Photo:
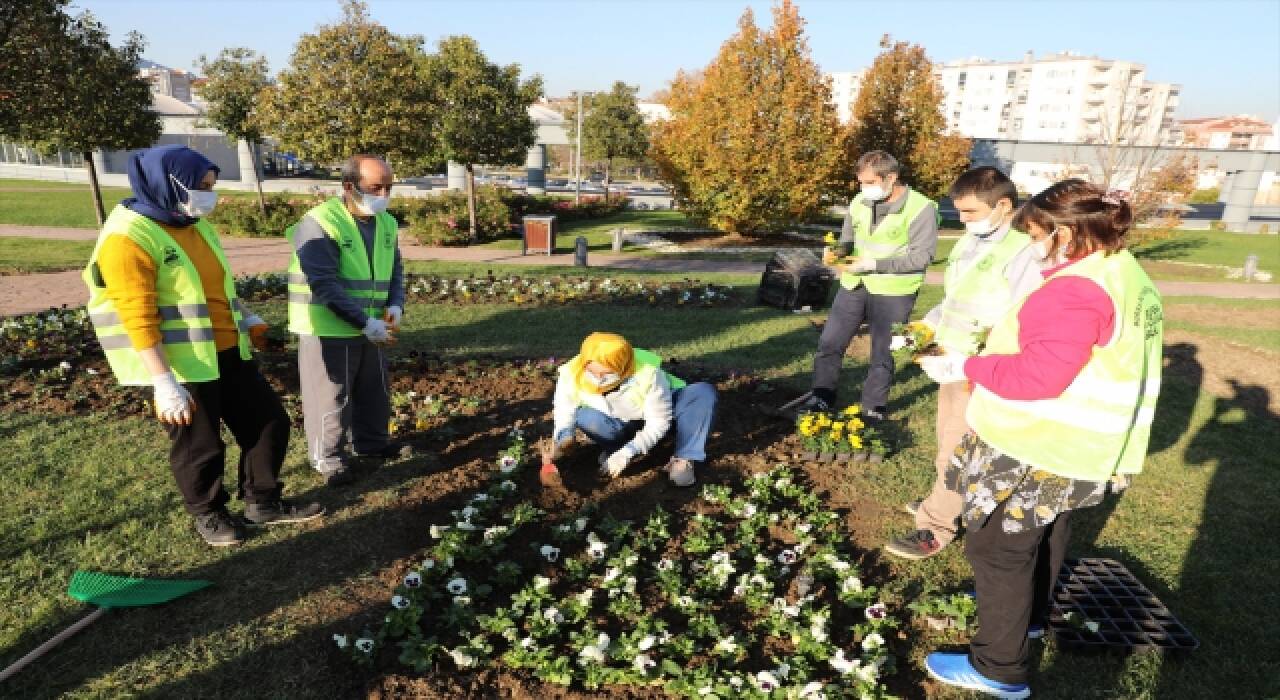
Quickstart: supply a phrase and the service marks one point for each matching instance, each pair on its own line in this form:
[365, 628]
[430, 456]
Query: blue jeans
[693, 409]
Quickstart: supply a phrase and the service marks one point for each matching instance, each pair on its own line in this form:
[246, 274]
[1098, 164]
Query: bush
[591, 207]
[241, 216]
[1205, 196]
[443, 219]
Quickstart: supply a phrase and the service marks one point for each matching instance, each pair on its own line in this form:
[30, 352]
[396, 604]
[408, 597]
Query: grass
[21, 255]
[95, 493]
[60, 204]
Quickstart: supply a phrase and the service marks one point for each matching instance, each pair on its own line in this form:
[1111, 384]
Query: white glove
[897, 343]
[253, 320]
[173, 402]
[393, 316]
[862, 264]
[617, 462]
[375, 329]
[944, 369]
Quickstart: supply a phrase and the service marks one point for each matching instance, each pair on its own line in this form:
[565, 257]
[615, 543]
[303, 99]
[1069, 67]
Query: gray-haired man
[892, 232]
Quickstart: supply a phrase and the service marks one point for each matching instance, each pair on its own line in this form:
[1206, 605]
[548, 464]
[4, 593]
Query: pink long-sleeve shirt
[1058, 326]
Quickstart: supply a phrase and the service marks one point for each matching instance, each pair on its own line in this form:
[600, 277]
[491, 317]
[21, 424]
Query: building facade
[1234, 133]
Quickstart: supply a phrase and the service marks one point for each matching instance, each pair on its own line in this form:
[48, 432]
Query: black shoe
[391, 451]
[339, 477]
[805, 403]
[219, 529]
[280, 512]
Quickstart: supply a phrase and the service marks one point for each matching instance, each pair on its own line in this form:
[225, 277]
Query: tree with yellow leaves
[899, 110]
[753, 143]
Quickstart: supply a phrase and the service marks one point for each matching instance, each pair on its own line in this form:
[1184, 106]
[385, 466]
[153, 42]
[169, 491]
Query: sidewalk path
[21, 294]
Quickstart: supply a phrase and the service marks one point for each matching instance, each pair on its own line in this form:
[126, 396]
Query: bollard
[618, 234]
[580, 252]
[1250, 267]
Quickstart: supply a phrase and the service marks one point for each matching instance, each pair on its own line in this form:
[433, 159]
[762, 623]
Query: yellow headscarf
[609, 349]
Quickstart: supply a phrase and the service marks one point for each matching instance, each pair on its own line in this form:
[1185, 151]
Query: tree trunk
[93, 188]
[608, 179]
[257, 177]
[471, 201]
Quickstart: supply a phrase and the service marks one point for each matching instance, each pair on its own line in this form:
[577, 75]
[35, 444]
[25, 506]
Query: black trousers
[1015, 576]
[850, 308]
[242, 399]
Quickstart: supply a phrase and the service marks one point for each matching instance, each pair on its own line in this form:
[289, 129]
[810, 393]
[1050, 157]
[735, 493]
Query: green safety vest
[370, 287]
[978, 297]
[636, 389]
[1101, 423]
[186, 331]
[888, 240]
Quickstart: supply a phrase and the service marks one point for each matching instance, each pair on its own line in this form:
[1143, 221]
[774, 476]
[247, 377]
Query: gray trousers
[850, 308]
[345, 392]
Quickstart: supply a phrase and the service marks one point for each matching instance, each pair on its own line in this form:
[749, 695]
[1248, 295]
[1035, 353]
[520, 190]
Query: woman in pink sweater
[1064, 395]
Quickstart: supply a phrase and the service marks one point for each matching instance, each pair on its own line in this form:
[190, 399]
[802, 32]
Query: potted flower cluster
[839, 437]
[755, 596]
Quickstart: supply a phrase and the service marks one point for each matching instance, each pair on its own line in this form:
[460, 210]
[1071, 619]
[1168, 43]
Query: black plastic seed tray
[1129, 617]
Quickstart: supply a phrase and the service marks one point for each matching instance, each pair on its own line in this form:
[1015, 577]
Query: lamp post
[577, 156]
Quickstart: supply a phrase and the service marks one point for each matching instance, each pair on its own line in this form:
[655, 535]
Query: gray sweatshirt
[922, 236]
[318, 255]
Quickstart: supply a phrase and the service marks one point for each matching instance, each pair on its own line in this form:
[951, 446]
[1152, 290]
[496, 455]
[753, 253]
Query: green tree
[352, 87]
[482, 113]
[234, 87]
[612, 128]
[753, 143]
[31, 33]
[899, 110]
[94, 98]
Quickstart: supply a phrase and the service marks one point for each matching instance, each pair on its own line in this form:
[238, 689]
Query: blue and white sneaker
[955, 670]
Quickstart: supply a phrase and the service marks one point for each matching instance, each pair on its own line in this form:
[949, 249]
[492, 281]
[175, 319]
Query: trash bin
[539, 235]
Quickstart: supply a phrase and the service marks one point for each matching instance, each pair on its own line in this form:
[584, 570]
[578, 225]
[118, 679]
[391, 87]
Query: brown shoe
[916, 545]
[549, 477]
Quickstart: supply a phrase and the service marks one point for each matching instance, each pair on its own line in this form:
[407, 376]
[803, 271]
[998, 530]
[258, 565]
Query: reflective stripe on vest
[977, 298]
[889, 240]
[1101, 424]
[369, 287]
[186, 329]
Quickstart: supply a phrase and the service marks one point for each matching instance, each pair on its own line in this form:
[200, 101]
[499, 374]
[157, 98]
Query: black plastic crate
[794, 279]
[1130, 618]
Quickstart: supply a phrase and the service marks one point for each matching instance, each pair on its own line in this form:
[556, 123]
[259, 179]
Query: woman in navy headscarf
[163, 303]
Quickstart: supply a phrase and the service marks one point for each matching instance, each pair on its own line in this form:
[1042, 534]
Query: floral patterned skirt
[987, 477]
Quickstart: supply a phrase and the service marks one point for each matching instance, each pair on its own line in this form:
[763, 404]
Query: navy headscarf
[154, 194]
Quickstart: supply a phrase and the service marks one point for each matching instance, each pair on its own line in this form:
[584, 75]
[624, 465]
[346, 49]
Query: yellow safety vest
[186, 330]
[889, 240]
[978, 297]
[370, 287]
[1101, 424]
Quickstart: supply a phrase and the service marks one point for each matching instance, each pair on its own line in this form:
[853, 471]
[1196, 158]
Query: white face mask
[1044, 248]
[607, 380]
[986, 226]
[369, 204]
[199, 204]
[874, 193]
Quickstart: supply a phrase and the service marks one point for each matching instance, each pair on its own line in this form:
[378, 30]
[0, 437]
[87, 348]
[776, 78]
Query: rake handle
[57, 639]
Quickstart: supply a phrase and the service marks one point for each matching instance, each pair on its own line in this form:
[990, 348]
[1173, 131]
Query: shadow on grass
[1172, 248]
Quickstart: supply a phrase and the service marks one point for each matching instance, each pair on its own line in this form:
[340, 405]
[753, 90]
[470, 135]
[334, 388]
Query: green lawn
[95, 493]
[22, 255]
[60, 204]
[1214, 248]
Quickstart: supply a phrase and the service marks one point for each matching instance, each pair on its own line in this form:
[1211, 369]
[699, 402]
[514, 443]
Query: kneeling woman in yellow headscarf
[623, 401]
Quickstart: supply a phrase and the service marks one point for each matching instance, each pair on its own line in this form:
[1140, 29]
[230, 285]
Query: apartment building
[1241, 132]
[844, 90]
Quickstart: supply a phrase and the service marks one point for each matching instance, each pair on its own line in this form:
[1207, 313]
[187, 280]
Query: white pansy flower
[666, 565]
[428, 564]
[541, 583]
[643, 663]
[457, 586]
[877, 612]
[787, 556]
[413, 580]
[527, 643]
[340, 640]
[812, 691]
[553, 615]
[437, 531]
[550, 553]
[507, 485]
[399, 602]
[766, 682]
[584, 598]
[581, 524]
[841, 664]
[461, 658]
[727, 645]
[595, 652]
[464, 525]
[597, 550]
[735, 681]
[507, 464]
[851, 584]
[64, 365]
[495, 532]
[612, 573]
[463, 600]
[646, 643]
[364, 644]
[705, 690]
[748, 510]
[872, 641]
[469, 512]
[783, 670]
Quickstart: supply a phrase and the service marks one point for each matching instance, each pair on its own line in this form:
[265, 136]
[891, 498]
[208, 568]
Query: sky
[1224, 53]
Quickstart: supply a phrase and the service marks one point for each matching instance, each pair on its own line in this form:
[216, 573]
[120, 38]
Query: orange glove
[258, 336]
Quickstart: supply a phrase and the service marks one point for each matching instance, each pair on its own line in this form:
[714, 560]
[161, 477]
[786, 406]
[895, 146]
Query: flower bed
[755, 595]
[541, 290]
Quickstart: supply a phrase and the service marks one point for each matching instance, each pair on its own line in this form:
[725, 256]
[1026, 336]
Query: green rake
[106, 592]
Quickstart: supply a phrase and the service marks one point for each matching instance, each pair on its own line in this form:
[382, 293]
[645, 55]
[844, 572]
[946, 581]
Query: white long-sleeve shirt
[655, 410]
